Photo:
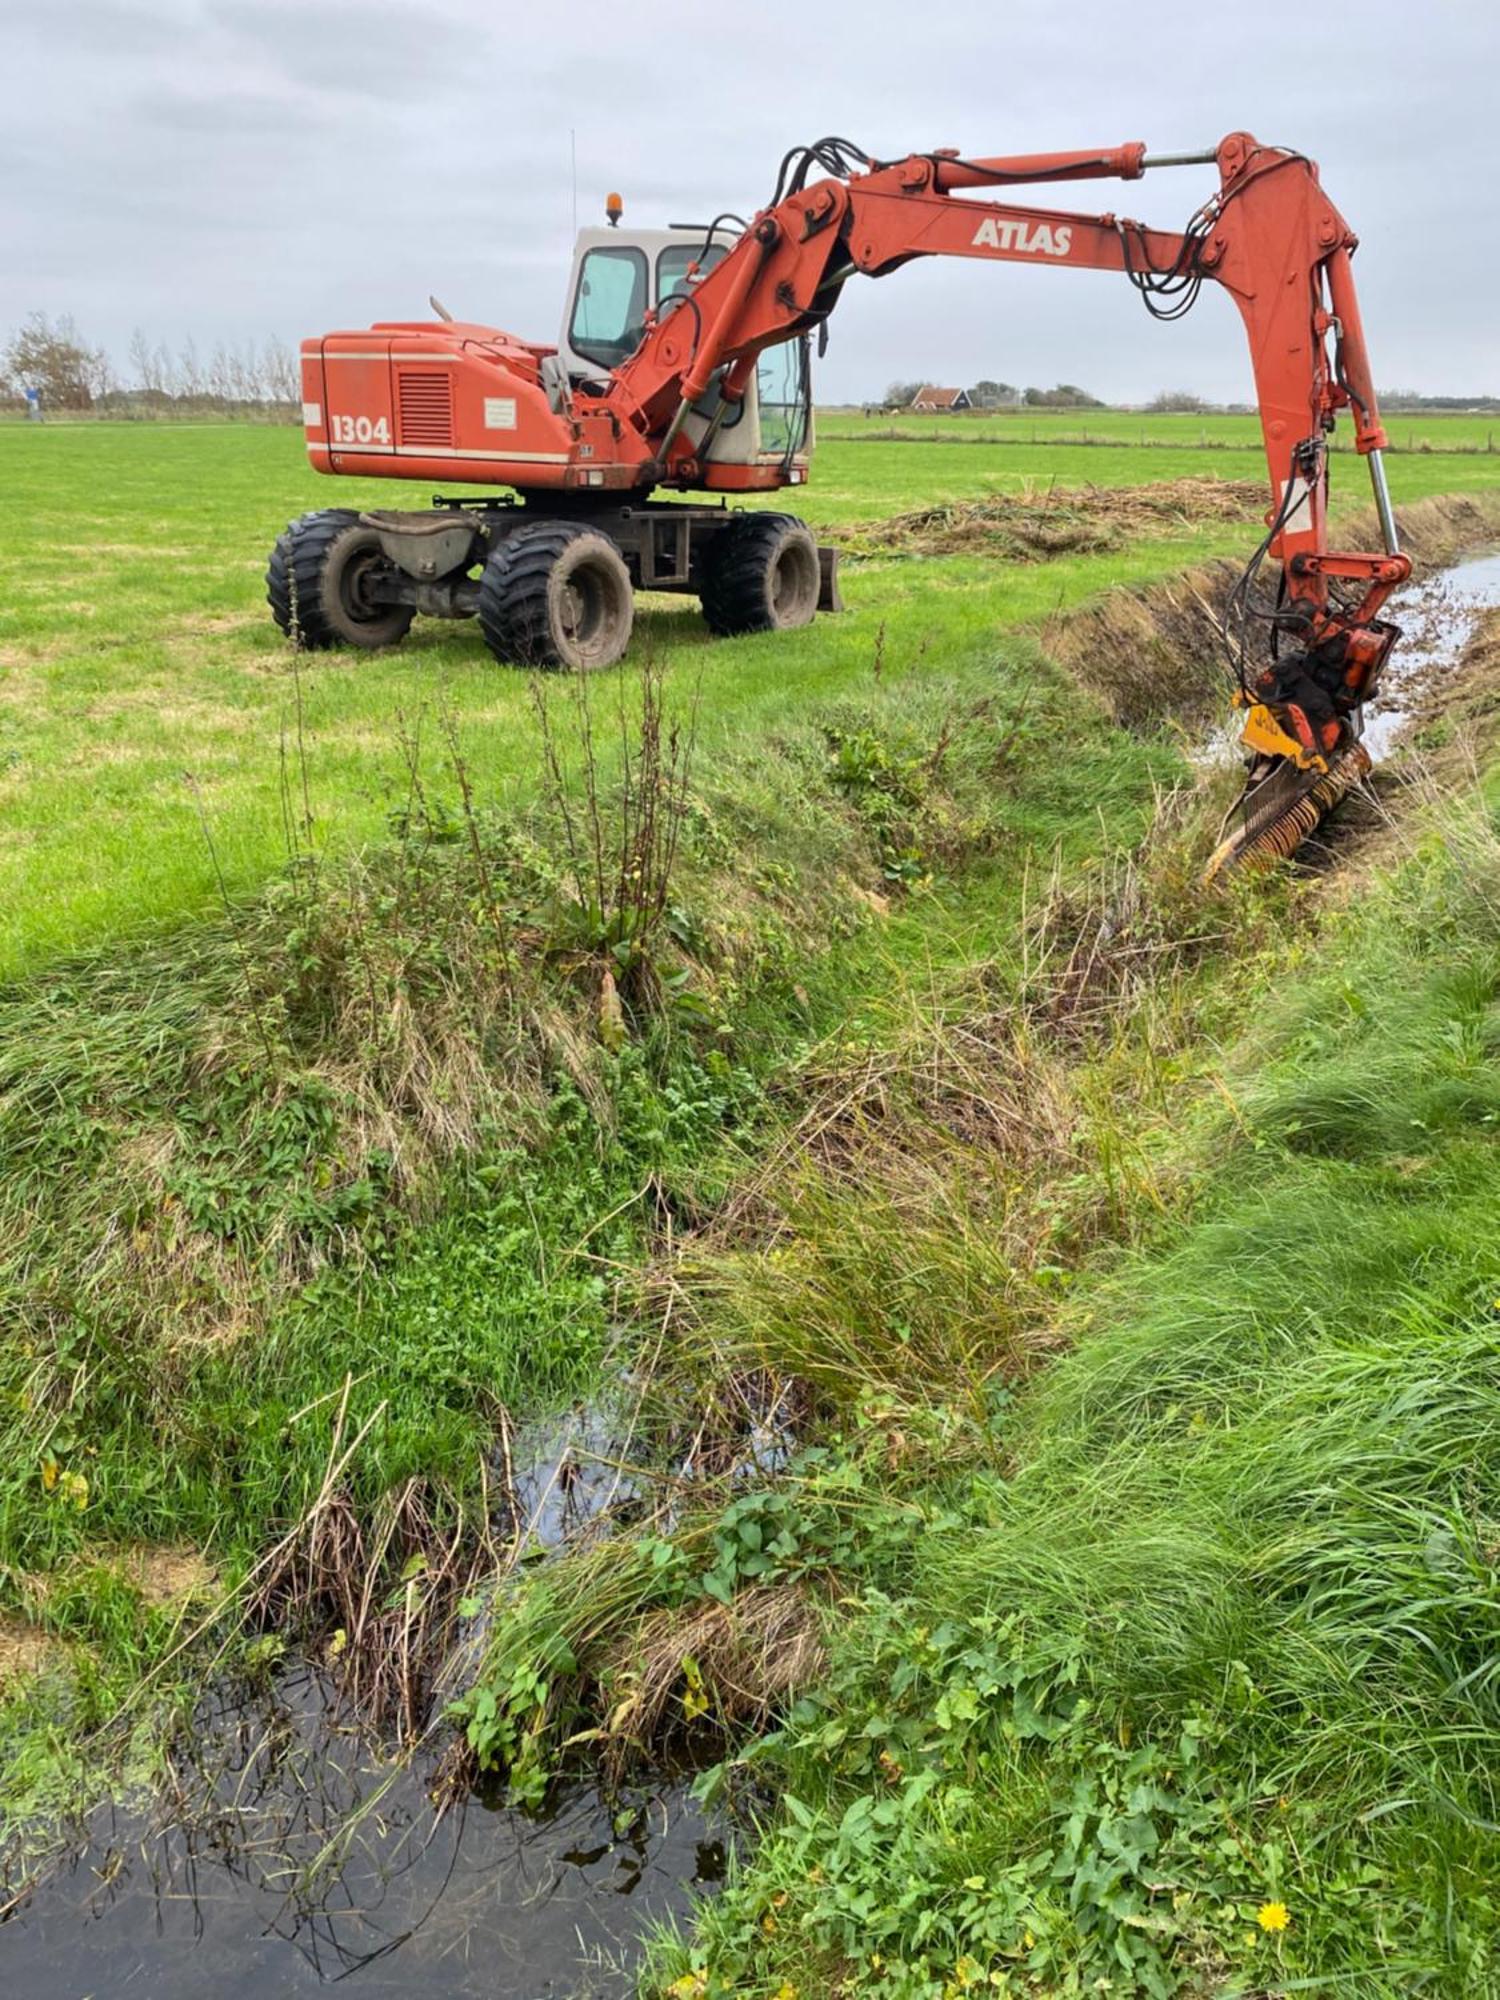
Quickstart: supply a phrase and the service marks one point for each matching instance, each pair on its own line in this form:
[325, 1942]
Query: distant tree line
[51, 357]
[987, 395]
[1406, 400]
[1068, 396]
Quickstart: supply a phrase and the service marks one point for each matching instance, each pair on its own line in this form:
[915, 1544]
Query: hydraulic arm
[1269, 236]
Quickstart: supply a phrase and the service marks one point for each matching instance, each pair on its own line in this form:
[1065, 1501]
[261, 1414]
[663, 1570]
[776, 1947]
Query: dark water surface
[292, 1858]
[289, 1855]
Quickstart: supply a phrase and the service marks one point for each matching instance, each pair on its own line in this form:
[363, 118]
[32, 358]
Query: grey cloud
[348, 48]
[96, 28]
[228, 116]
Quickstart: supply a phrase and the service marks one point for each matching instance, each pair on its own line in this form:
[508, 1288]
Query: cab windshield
[609, 309]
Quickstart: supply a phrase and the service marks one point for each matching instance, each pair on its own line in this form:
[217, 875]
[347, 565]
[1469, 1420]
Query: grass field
[1126, 1617]
[144, 690]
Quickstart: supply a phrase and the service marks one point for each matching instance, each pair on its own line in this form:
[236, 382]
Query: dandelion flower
[1273, 1916]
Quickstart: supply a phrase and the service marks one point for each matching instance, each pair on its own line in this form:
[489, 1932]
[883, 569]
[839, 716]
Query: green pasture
[147, 703]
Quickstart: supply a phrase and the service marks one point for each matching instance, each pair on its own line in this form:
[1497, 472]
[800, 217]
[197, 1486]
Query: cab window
[672, 267]
[781, 381]
[609, 310]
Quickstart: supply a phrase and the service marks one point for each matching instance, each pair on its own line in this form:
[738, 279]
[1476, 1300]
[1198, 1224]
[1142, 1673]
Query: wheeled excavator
[683, 367]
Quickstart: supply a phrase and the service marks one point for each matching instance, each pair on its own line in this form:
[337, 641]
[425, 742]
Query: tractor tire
[315, 585]
[761, 574]
[556, 594]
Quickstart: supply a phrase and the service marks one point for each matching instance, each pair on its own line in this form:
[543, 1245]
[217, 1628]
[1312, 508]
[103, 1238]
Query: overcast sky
[236, 169]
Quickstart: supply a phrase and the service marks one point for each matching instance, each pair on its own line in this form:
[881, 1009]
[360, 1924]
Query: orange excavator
[683, 367]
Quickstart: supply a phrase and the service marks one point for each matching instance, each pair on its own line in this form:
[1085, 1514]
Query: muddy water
[292, 1858]
[1437, 618]
[286, 1854]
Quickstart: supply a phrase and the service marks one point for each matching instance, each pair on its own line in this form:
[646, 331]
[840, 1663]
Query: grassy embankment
[1178, 1672]
[1133, 1618]
[260, 1159]
[370, 1124]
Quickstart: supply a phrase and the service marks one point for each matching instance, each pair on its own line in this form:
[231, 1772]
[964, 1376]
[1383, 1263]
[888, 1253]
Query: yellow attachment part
[1264, 733]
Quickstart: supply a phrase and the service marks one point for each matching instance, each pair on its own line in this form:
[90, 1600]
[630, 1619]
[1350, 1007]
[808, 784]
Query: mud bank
[1153, 656]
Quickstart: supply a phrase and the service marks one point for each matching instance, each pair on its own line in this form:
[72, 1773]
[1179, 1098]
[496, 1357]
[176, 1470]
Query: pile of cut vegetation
[1036, 525]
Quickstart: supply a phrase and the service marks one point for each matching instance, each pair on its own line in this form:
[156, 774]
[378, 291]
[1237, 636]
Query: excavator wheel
[761, 575]
[556, 594]
[318, 584]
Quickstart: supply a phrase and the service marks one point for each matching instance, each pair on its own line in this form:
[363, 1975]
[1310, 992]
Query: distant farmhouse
[941, 399]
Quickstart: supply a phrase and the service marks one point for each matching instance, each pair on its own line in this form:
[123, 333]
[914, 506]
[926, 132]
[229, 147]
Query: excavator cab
[619, 278]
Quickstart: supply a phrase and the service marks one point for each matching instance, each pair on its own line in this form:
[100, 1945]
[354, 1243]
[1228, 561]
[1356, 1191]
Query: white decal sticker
[1296, 495]
[312, 416]
[1032, 239]
[499, 413]
[360, 430]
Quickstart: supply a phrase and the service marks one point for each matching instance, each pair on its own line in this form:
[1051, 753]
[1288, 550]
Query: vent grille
[424, 405]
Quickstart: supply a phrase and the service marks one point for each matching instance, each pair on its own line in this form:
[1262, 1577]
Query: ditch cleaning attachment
[1280, 806]
[1304, 704]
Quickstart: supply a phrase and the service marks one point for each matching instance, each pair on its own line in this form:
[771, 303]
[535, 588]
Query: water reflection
[1438, 617]
[285, 1857]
